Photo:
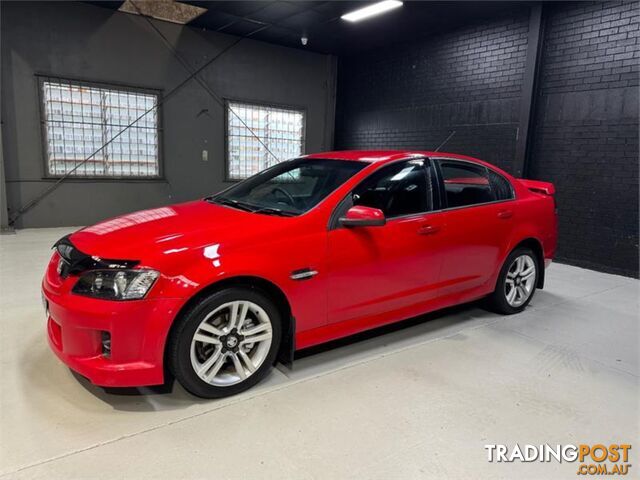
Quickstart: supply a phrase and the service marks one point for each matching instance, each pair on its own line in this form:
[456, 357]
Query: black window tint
[466, 184]
[399, 189]
[500, 185]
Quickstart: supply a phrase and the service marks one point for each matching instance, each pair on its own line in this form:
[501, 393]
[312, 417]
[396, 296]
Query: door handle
[428, 229]
[504, 214]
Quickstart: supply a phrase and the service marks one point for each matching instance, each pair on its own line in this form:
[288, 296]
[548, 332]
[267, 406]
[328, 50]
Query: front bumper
[138, 331]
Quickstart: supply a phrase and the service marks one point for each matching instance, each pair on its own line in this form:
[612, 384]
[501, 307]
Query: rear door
[379, 271]
[479, 214]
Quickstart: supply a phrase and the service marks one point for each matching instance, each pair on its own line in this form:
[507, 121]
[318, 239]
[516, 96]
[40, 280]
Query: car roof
[385, 155]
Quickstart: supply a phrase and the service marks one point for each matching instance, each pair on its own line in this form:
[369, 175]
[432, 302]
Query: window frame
[117, 86]
[443, 195]
[343, 205]
[258, 103]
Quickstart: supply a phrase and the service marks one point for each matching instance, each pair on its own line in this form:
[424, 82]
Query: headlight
[116, 284]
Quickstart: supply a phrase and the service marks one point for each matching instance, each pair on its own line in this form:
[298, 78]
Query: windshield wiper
[231, 203]
[248, 207]
[275, 211]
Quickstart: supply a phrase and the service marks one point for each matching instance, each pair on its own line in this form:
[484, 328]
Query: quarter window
[79, 119]
[279, 132]
[501, 186]
[403, 188]
[468, 184]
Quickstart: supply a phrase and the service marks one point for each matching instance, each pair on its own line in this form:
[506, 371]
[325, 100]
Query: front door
[377, 273]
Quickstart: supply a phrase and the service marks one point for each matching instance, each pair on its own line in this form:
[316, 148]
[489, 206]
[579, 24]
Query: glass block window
[80, 118]
[280, 129]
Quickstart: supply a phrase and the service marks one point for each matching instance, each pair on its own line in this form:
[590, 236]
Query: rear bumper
[137, 329]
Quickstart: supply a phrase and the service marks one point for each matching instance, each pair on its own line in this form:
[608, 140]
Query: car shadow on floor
[169, 396]
[379, 332]
[325, 357]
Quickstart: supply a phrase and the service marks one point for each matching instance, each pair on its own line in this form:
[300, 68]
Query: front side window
[289, 188]
[259, 136]
[79, 119]
[403, 188]
[466, 184]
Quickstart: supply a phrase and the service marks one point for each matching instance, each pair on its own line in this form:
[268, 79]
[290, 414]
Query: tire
[503, 299]
[205, 346]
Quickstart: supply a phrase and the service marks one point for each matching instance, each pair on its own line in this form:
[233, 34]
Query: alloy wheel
[520, 281]
[231, 343]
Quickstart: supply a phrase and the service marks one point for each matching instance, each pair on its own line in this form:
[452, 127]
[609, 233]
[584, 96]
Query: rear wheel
[226, 343]
[516, 283]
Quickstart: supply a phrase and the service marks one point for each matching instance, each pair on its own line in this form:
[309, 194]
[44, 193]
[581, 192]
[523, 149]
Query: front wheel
[225, 343]
[516, 283]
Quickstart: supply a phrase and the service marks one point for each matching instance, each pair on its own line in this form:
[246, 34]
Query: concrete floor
[417, 402]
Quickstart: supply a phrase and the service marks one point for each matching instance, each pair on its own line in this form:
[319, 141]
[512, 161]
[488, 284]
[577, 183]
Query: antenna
[451, 134]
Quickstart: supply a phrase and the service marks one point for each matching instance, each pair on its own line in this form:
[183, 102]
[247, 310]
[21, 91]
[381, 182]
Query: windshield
[289, 188]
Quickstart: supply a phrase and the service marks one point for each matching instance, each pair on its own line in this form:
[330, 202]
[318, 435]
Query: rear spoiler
[545, 188]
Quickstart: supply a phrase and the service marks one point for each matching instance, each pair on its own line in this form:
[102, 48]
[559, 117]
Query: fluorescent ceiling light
[371, 10]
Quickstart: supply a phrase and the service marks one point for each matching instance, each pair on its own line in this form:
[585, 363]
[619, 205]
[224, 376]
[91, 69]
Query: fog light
[106, 344]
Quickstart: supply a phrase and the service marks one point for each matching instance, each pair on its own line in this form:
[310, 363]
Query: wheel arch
[535, 245]
[268, 288]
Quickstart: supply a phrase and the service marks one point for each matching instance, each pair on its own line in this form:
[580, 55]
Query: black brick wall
[411, 95]
[585, 131]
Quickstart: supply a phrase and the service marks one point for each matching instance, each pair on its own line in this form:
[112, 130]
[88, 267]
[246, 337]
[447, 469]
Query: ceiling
[285, 22]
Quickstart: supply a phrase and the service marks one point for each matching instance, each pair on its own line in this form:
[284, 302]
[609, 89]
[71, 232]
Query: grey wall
[76, 40]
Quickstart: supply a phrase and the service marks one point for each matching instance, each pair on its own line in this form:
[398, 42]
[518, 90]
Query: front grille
[65, 249]
[63, 268]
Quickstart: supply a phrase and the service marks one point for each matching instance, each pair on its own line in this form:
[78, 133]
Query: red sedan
[213, 291]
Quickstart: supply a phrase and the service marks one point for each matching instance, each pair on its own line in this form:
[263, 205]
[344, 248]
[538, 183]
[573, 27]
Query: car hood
[148, 235]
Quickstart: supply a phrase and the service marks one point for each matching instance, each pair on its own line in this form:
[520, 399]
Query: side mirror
[360, 216]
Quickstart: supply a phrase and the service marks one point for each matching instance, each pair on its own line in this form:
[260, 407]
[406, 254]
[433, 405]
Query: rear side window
[466, 184]
[501, 187]
[403, 188]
